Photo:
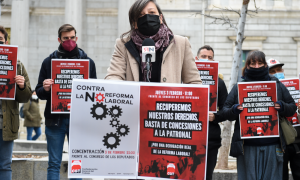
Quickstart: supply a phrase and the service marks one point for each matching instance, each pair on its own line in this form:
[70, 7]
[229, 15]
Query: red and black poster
[63, 72]
[173, 131]
[259, 119]
[209, 74]
[8, 70]
[292, 86]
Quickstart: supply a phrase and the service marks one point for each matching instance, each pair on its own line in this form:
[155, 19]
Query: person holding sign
[9, 115]
[258, 158]
[292, 152]
[174, 62]
[206, 53]
[57, 125]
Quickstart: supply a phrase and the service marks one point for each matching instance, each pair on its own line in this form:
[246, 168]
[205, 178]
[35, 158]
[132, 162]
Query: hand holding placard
[47, 84]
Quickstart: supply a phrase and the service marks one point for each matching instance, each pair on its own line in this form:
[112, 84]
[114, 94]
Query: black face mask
[257, 74]
[148, 24]
[1, 42]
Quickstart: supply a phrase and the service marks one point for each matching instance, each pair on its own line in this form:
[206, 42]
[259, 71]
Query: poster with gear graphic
[173, 131]
[104, 129]
[8, 71]
[63, 73]
[209, 73]
[292, 86]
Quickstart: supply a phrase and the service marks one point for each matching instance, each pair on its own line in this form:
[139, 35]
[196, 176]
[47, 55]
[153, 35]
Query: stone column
[123, 19]
[214, 3]
[298, 54]
[296, 5]
[73, 16]
[279, 4]
[19, 28]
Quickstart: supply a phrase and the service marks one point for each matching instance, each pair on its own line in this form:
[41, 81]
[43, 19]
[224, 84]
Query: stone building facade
[34, 24]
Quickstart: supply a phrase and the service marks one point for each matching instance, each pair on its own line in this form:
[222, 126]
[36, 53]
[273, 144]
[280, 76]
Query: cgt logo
[170, 169]
[259, 130]
[294, 120]
[149, 49]
[76, 166]
[273, 61]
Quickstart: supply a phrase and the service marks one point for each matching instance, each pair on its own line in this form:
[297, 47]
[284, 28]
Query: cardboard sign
[292, 86]
[8, 71]
[173, 131]
[259, 119]
[209, 74]
[63, 73]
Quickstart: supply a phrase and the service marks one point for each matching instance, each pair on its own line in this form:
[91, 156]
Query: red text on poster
[292, 86]
[173, 132]
[259, 118]
[209, 74]
[63, 72]
[8, 70]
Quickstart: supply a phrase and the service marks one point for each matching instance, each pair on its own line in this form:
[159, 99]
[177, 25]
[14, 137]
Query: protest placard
[209, 74]
[259, 119]
[63, 73]
[8, 70]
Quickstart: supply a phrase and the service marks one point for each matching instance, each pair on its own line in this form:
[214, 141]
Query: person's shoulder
[179, 38]
[51, 56]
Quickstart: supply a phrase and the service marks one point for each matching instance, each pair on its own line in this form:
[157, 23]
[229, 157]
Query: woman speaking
[174, 59]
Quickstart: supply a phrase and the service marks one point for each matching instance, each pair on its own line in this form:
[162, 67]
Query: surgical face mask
[148, 24]
[203, 60]
[279, 75]
[34, 97]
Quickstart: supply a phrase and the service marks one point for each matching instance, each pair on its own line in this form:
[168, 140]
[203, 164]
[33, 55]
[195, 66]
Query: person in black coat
[206, 53]
[57, 125]
[262, 158]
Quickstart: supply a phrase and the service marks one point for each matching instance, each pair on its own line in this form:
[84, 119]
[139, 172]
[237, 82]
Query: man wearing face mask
[292, 151]
[206, 53]
[57, 125]
[9, 115]
[32, 117]
[275, 68]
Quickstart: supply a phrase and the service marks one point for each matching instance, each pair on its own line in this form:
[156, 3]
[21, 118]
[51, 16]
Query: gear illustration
[123, 130]
[114, 122]
[100, 96]
[115, 115]
[111, 135]
[97, 116]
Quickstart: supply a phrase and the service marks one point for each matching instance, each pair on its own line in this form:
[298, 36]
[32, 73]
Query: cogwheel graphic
[101, 96]
[112, 112]
[123, 130]
[111, 135]
[97, 116]
[114, 122]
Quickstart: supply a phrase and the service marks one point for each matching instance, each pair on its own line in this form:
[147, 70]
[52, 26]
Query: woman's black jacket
[283, 95]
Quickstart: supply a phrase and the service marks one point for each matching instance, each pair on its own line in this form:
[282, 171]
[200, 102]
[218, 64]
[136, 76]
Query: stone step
[36, 153]
[25, 145]
[36, 169]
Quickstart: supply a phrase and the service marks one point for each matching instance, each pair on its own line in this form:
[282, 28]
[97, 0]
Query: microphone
[148, 54]
[148, 50]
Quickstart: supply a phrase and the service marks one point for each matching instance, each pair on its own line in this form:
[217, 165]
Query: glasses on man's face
[67, 38]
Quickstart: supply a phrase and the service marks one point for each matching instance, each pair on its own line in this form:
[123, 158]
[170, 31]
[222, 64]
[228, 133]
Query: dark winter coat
[214, 132]
[283, 95]
[45, 73]
[10, 108]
